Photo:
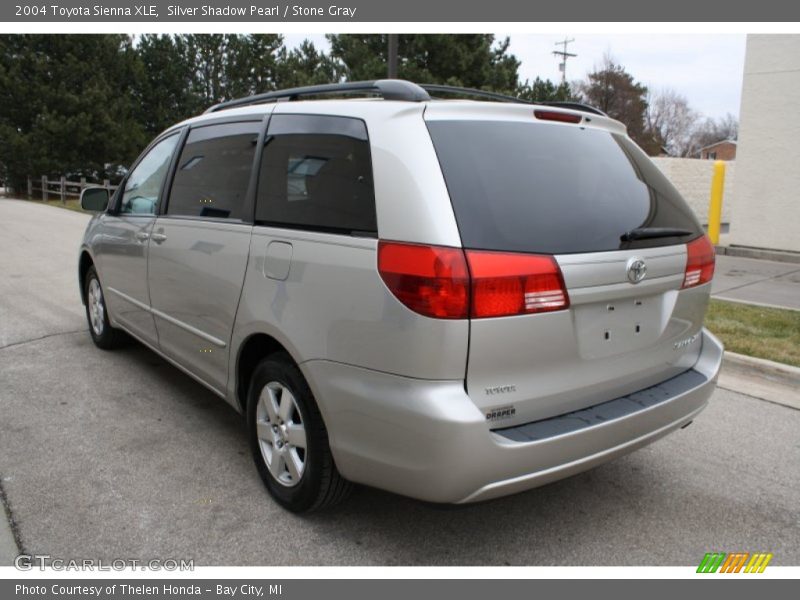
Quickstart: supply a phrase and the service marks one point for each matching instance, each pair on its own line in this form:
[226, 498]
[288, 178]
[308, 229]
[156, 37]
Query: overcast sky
[706, 68]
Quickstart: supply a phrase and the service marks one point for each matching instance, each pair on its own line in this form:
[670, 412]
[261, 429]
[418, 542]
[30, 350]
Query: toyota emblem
[636, 270]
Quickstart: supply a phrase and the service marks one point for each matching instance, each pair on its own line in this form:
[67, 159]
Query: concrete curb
[759, 253]
[765, 379]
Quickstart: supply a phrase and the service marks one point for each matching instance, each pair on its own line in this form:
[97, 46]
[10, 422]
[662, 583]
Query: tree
[67, 105]
[544, 90]
[614, 91]
[474, 60]
[670, 121]
[163, 89]
[306, 65]
[713, 130]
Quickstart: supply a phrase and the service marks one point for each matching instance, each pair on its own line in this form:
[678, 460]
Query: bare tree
[670, 121]
[713, 130]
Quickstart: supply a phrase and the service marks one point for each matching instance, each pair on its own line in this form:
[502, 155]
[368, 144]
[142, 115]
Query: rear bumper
[428, 440]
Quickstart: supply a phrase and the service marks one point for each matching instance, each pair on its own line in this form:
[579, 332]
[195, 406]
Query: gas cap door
[278, 260]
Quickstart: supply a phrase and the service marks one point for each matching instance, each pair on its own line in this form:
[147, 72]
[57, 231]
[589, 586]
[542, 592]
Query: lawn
[770, 333]
[72, 203]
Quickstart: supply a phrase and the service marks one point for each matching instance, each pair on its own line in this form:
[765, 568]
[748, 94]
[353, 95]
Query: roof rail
[575, 106]
[449, 89]
[462, 91]
[388, 89]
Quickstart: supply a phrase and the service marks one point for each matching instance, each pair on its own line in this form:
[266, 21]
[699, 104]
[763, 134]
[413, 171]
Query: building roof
[717, 144]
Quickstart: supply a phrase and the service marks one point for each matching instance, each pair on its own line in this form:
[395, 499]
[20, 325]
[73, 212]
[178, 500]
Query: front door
[125, 238]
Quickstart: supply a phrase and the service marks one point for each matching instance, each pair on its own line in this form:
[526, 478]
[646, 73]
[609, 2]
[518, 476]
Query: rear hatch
[583, 197]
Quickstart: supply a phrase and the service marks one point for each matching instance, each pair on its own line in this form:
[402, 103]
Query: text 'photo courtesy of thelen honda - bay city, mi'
[451, 299]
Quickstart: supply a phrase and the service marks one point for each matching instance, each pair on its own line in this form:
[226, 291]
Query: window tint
[533, 187]
[214, 171]
[320, 181]
[143, 186]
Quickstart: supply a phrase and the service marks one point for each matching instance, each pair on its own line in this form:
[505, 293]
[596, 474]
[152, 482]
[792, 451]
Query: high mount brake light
[700, 261]
[554, 115]
[450, 283]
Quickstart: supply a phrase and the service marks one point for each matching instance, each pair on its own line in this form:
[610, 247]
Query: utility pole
[562, 66]
[392, 62]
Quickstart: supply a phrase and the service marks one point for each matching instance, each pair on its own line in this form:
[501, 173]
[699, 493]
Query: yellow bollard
[715, 209]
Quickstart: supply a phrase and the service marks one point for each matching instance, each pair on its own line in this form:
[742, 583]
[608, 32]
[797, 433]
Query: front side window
[316, 174]
[143, 186]
[213, 171]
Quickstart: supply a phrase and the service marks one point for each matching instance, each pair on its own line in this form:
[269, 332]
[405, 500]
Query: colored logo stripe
[711, 562]
[734, 562]
[758, 563]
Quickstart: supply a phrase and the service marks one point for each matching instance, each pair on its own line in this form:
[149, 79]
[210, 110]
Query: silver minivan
[452, 300]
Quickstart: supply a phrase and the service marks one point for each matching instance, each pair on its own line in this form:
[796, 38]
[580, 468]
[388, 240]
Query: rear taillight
[699, 262]
[434, 281]
[554, 115]
[506, 284]
[430, 280]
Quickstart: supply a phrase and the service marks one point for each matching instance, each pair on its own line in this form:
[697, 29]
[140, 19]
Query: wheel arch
[84, 263]
[252, 350]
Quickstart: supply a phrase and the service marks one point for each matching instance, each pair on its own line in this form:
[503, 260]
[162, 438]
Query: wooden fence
[61, 188]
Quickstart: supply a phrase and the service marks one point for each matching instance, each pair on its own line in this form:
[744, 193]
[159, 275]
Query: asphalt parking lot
[119, 455]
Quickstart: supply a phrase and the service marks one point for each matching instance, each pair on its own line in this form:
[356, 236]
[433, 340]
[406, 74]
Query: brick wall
[692, 177]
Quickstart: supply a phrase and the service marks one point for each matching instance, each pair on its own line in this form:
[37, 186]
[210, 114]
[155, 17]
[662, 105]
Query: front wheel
[103, 334]
[288, 439]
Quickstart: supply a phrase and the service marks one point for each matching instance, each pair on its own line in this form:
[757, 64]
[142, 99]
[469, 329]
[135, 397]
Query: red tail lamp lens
[506, 284]
[430, 280]
[699, 262]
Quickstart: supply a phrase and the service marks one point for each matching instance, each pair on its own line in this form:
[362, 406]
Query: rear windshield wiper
[646, 233]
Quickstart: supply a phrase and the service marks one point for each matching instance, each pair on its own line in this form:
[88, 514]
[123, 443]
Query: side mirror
[94, 199]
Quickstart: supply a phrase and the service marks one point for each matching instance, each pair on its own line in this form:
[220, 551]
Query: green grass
[71, 203]
[770, 333]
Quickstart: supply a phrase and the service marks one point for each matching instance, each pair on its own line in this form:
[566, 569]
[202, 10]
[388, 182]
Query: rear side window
[316, 174]
[214, 171]
[553, 189]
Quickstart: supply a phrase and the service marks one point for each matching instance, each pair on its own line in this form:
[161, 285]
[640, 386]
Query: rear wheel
[289, 440]
[103, 334]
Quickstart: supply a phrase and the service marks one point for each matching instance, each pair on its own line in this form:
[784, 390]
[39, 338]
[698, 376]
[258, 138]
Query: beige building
[765, 208]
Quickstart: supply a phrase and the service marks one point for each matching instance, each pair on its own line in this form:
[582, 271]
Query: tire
[103, 334]
[282, 416]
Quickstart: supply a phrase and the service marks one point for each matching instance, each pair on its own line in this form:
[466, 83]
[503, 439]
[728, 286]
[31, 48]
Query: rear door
[199, 247]
[571, 191]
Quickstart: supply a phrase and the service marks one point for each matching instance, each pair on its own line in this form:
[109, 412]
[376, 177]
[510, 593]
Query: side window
[316, 173]
[214, 171]
[143, 186]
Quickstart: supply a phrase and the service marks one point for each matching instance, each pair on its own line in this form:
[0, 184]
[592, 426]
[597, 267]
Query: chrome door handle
[142, 236]
[158, 237]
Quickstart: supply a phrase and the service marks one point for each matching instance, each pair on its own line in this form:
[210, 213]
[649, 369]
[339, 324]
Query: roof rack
[389, 89]
[450, 89]
[462, 91]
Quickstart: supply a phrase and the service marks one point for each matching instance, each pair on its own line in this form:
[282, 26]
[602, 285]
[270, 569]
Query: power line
[562, 66]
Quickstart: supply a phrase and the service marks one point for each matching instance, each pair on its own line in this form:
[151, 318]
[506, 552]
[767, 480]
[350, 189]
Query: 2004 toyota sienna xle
[448, 299]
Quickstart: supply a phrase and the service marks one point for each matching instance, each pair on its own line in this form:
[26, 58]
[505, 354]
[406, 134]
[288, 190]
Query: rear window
[552, 189]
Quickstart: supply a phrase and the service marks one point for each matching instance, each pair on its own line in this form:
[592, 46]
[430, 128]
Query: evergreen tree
[67, 105]
[473, 60]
